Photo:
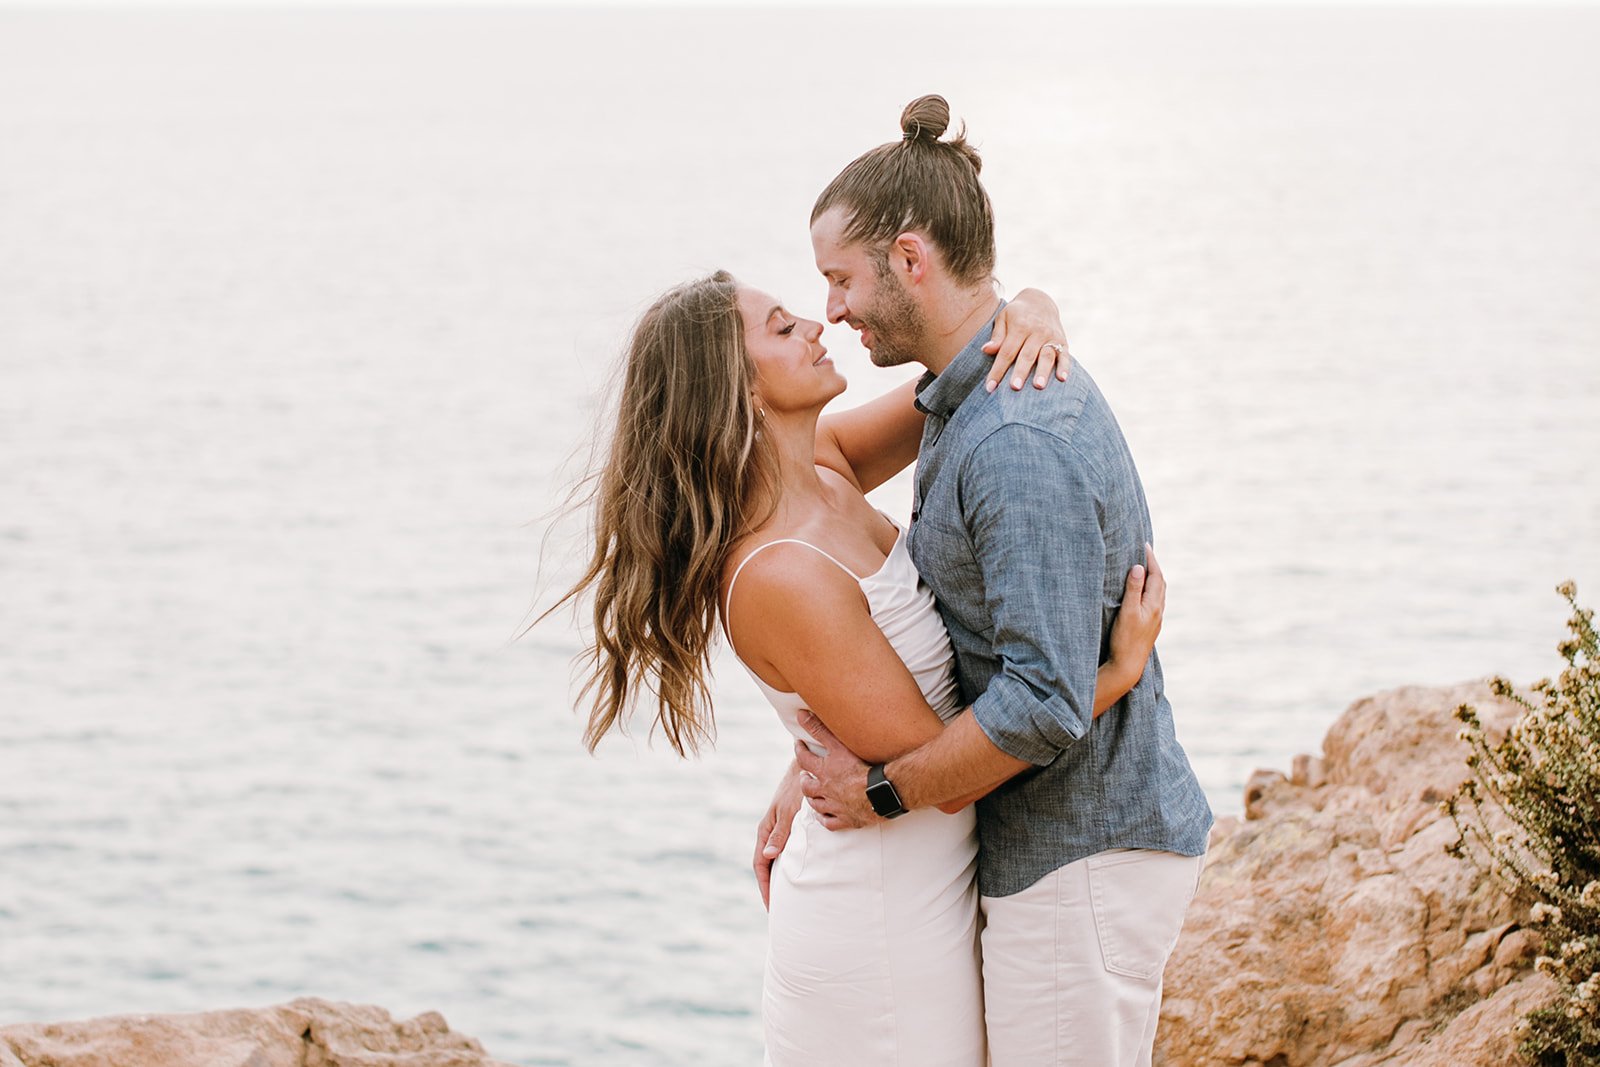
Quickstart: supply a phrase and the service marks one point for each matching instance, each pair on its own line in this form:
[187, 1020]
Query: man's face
[865, 293]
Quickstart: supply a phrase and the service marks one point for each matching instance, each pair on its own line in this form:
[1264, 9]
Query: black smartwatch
[881, 793]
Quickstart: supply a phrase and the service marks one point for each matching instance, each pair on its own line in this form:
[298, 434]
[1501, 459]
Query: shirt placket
[927, 464]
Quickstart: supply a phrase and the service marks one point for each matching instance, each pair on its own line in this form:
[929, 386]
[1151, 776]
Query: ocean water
[307, 319]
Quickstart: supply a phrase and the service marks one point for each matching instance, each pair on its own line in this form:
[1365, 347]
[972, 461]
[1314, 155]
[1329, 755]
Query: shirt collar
[941, 394]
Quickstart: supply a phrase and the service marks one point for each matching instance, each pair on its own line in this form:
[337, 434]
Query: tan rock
[1260, 790]
[1479, 1035]
[1332, 929]
[303, 1033]
[1307, 771]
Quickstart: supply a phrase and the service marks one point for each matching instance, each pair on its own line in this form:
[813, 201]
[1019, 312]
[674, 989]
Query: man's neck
[952, 324]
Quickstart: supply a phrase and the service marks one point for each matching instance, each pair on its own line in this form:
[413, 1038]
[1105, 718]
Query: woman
[728, 495]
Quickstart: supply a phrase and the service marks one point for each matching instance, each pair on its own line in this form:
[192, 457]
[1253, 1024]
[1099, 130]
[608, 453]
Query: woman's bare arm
[872, 443]
[803, 625]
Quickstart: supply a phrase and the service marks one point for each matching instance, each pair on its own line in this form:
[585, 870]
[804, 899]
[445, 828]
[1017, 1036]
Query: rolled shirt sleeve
[1031, 506]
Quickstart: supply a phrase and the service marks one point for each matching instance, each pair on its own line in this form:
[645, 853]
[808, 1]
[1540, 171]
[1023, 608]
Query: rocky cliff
[1331, 928]
[303, 1033]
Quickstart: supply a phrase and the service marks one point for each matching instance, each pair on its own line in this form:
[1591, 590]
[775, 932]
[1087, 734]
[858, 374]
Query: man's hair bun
[925, 118]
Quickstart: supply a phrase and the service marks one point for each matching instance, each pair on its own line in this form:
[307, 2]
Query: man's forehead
[829, 229]
[834, 250]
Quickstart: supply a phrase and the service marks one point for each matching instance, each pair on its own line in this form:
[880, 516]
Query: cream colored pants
[1072, 964]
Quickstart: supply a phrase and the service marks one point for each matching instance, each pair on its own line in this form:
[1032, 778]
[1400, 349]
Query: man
[1028, 513]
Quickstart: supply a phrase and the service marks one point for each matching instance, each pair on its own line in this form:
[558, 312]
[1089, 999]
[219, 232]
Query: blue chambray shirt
[1028, 514]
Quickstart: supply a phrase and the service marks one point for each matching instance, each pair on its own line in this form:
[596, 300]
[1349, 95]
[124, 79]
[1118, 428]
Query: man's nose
[835, 306]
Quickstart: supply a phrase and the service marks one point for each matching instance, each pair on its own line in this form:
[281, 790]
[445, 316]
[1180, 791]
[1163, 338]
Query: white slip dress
[872, 954]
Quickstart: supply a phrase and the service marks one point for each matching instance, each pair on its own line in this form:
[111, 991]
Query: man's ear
[909, 256]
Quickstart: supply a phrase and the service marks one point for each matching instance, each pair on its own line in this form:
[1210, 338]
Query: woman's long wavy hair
[685, 476]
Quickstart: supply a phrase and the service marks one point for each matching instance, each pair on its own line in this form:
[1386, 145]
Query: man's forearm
[961, 764]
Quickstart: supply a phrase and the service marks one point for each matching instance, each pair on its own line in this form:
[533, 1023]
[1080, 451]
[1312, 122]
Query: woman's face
[793, 371]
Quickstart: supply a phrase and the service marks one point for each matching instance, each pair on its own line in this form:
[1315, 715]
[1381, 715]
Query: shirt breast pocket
[942, 552]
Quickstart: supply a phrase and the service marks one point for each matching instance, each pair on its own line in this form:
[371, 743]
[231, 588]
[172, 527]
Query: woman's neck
[794, 439]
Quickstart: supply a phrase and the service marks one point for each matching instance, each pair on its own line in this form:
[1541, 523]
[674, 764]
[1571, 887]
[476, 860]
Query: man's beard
[897, 323]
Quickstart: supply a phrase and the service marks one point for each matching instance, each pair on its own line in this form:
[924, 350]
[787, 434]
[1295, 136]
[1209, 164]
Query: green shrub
[1530, 815]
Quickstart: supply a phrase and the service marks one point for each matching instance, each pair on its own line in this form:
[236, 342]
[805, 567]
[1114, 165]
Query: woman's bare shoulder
[787, 592]
[781, 563]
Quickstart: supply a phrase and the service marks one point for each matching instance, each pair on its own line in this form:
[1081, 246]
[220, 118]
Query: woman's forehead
[757, 306]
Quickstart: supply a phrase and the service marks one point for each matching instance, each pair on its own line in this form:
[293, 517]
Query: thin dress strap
[727, 612]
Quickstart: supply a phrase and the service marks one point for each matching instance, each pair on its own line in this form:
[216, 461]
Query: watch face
[885, 801]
